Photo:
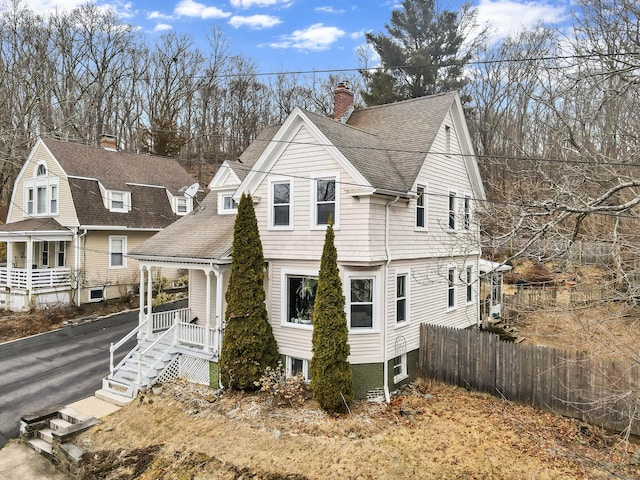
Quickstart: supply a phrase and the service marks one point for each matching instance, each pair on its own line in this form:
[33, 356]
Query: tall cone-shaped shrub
[331, 378]
[248, 345]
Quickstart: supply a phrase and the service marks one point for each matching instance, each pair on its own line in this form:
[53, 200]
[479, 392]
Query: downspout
[385, 366]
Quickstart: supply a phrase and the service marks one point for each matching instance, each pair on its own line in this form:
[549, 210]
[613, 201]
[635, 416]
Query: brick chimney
[108, 142]
[343, 102]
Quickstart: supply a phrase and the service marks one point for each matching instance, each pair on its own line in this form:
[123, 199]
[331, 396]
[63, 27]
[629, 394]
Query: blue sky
[299, 35]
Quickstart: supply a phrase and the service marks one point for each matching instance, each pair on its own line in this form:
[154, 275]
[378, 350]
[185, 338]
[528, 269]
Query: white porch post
[141, 293]
[219, 312]
[29, 263]
[9, 262]
[207, 325]
[149, 304]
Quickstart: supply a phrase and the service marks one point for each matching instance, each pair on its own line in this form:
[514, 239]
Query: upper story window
[118, 201]
[41, 195]
[281, 204]
[452, 210]
[181, 205]
[421, 207]
[41, 171]
[325, 201]
[469, 284]
[466, 219]
[226, 204]
[447, 139]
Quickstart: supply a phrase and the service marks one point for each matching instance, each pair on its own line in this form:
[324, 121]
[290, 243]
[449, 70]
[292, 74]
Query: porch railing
[164, 320]
[40, 277]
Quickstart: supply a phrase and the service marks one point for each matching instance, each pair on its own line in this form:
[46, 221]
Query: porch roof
[201, 235]
[44, 228]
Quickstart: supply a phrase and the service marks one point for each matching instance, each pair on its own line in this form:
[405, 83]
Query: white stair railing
[116, 346]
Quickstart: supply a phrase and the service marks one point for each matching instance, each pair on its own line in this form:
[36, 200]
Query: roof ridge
[408, 100]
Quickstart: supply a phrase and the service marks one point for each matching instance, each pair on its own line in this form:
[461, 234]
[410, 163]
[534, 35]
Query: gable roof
[201, 235]
[117, 170]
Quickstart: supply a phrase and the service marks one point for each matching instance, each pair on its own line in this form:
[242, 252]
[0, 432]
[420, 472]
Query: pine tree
[331, 377]
[248, 345]
[422, 52]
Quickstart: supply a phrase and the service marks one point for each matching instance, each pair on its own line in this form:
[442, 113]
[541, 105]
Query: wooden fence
[555, 296]
[601, 392]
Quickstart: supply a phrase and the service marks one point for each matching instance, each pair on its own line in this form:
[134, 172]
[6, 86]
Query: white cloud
[357, 35]
[189, 8]
[316, 37]
[255, 22]
[328, 9]
[258, 3]
[155, 15]
[162, 27]
[508, 16]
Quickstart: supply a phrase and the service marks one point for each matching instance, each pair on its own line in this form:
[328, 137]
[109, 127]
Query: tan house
[401, 183]
[75, 211]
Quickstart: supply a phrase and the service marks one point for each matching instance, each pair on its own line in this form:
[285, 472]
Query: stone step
[60, 425]
[73, 416]
[40, 446]
[46, 434]
[113, 398]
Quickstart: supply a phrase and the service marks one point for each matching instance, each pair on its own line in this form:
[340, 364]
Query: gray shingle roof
[203, 234]
[150, 208]
[34, 225]
[117, 169]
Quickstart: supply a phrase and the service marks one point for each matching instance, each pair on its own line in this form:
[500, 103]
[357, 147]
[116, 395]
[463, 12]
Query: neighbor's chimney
[343, 102]
[108, 142]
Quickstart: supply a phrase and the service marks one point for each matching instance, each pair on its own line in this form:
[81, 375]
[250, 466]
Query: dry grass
[432, 431]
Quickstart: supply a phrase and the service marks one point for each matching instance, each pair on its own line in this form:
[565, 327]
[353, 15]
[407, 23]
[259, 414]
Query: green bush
[331, 377]
[249, 346]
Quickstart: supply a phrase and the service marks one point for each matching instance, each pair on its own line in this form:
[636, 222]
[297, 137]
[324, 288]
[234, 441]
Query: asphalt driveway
[57, 368]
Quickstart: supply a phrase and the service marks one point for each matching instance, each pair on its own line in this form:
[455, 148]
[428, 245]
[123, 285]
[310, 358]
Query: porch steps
[124, 380]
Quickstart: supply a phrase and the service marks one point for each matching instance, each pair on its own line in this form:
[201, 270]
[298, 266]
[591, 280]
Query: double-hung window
[44, 261]
[61, 254]
[361, 297]
[29, 201]
[325, 201]
[117, 201]
[401, 298]
[452, 210]
[466, 221]
[281, 204]
[421, 208]
[451, 287]
[181, 205]
[41, 200]
[117, 249]
[469, 284]
[53, 199]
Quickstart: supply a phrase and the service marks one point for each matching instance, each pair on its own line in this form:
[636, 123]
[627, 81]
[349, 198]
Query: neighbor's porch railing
[40, 277]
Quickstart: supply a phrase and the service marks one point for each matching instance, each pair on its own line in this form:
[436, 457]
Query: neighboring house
[75, 211]
[400, 183]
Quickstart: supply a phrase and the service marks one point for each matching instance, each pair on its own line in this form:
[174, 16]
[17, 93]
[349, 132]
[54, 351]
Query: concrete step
[73, 416]
[40, 446]
[46, 434]
[60, 425]
[113, 398]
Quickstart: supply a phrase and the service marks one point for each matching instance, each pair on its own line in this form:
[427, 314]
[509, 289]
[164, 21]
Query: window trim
[376, 299]
[41, 170]
[91, 291]
[61, 249]
[272, 205]
[53, 199]
[126, 201]
[467, 210]
[452, 214]
[405, 274]
[38, 197]
[113, 238]
[221, 204]
[403, 374]
[451, 288]
[335, 176]
[424, 207]
[447, 140]
[284, 296]
[289, 366]
[179, 202]
[469, 278]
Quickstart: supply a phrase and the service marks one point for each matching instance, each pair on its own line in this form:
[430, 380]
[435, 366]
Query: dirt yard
[432, 431]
